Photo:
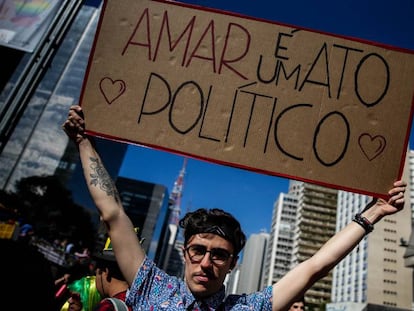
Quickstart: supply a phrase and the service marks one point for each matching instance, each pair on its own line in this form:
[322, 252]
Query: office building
[250, 275]
[409, 244]
[232, 280]
[146, 204]
[176, 260]
[280, 244]
[70, 172]
[315, 225]
[35, 101]
[303, 220]
[410, 172]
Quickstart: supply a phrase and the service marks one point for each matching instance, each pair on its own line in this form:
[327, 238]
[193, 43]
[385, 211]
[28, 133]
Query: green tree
[47, 205]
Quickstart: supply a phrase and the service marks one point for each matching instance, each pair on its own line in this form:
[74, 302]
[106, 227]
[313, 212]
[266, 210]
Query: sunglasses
[218, 256]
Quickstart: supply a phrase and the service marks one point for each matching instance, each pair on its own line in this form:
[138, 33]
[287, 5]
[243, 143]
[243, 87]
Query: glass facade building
[37, 142]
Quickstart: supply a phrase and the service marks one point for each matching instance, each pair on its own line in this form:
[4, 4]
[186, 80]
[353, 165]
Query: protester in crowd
[74, 303]
[61, 288]
[83, 295]
[69, 249]
[109, 282]
[26, 233]
[213, 240]
[75, 276]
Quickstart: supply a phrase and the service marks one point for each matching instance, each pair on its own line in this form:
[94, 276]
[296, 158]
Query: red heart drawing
[111, 89]
[372, 147]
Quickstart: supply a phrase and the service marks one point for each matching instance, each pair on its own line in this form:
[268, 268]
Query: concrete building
[232, 280]
[315, 224]
[410, 173]
[280, 245]
[176, 260]
[409, 245]
[250, 278]
[303, 220]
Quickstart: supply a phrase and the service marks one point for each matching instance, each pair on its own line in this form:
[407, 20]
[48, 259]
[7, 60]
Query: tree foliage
[47, 205]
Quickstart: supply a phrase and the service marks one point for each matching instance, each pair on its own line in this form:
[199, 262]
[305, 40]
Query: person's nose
[206, 261]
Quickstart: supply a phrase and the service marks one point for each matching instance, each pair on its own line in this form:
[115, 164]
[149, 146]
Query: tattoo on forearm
[100, 178]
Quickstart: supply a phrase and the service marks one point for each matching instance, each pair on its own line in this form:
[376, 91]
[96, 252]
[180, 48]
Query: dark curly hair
[112, 266]
[214, 221]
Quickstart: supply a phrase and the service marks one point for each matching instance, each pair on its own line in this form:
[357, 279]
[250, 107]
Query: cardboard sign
[251, 94]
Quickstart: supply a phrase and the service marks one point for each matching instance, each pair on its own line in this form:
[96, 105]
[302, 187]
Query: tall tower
[172, 257]
[176, 194]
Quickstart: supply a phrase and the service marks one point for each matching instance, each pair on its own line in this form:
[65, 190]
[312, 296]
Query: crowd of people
[109, 284]
[61, 274]
[95, 284]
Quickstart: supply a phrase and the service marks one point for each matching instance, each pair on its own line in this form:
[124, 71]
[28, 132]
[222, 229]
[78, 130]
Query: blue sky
[247, 195]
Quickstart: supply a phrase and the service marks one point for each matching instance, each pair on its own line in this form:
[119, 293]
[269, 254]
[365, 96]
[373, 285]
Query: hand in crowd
[74, 126]
[75, 303]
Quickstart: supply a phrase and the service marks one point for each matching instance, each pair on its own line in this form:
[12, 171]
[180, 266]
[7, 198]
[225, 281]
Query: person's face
[297, 306]
[205, 277]
[74, 302]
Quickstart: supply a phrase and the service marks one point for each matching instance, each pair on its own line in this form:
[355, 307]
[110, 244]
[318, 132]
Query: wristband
[364, 223]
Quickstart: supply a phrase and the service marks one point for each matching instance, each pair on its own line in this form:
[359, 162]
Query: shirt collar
[213, 301]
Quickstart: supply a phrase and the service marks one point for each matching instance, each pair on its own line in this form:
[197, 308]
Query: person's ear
[184, 253]
[107, 274]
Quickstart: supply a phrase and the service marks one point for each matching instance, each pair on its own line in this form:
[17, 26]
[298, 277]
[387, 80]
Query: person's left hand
[394, 204]
[396, 200]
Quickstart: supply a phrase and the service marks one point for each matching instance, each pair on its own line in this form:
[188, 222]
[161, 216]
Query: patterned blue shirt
[154, 290]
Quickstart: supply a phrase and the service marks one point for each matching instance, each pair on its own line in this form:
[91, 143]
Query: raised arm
[127, 249]
[297, 281]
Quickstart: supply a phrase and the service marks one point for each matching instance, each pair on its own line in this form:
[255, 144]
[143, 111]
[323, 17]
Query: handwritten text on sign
[251, 94]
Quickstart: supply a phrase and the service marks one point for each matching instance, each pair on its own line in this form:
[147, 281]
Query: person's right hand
[74, 126]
